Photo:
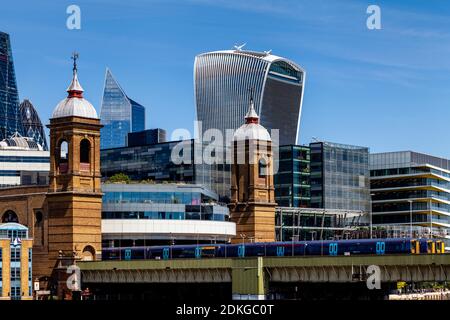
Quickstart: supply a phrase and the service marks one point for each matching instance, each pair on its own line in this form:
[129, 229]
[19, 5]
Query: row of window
[153, 197]
[164, 215]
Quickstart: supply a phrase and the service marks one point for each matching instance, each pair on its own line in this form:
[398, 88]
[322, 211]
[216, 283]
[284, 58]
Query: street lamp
[431, 221]
[243, 237]
[410, 218]
[371, 213]
[294, 238]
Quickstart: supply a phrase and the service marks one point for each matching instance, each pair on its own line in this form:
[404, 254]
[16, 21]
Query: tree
[120, 178]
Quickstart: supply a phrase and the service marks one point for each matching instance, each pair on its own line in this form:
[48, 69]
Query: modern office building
[319, 224]
[411, 192]
[146, 137]
[31, 123]
[15, 262]
[225, 80]
[155, 162]
[141, 214]
[23, 162]
[339, 176]
[119, 114]
[150, 162]
[10, 120]
[292, 183]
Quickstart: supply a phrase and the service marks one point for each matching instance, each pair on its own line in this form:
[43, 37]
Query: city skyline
[347, 64]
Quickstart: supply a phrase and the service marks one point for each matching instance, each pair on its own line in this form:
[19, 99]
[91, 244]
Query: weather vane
[251, 93]
[74, 58]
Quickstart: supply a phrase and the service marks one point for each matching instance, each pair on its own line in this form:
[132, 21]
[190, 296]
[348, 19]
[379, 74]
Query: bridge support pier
[248, 280]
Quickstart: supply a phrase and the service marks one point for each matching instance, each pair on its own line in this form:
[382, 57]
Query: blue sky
[387, 89]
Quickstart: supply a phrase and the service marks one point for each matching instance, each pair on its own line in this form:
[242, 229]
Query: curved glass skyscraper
[32, 125]
[119, 115]
[10, 121]
[223, 80]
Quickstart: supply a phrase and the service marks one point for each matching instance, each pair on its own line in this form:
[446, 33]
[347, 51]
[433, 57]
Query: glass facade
[32, 125]
[315, 224]
[149, 162]
[179, 202]
[155, 163]
[119, 115]
[222, 89]
[146, 137]
[134, 212]
[339, 176]
[411, 191]
[292, 187]
[10, 120]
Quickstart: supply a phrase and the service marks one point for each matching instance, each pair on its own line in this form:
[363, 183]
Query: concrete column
[248, 280]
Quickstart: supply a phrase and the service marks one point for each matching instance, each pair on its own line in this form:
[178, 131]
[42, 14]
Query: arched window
[39, 217]
[10, 216]
[85, 151]
[88, 254]
[62, 156]
[38, 228]
[262, 167]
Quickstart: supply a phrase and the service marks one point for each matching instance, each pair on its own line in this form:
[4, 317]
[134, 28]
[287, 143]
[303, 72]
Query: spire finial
[74, 58]
[251, 116]
[75, 90]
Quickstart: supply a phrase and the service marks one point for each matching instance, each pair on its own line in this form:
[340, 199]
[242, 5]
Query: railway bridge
[263, 277]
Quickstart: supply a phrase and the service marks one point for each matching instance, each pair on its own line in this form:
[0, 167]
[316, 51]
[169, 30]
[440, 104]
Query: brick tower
[74, 197]
[252, 203]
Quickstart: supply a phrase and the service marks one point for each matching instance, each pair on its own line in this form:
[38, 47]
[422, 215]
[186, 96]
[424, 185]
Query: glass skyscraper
[119, 115]
[339, 176]
[32, 125]
[10, 121]
[411, 193]
[224, 82]
[292, 186]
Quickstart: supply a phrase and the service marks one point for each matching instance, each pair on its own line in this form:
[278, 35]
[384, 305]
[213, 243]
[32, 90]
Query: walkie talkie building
[223, 80]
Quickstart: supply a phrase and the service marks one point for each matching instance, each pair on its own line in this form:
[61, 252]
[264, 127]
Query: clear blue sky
[387, 89]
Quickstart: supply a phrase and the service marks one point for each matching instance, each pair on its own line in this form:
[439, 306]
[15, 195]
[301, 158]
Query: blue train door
[127, 254]
[198, 252]
[380, 247]
[166, 253]
[333, 249]
[241, 251]
[280, 251]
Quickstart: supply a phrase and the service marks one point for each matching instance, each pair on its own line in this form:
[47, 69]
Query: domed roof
[17, 142]
[75, 105]
[251, 130]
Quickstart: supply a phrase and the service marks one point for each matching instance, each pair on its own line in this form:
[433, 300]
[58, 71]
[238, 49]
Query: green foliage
[120, 178]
